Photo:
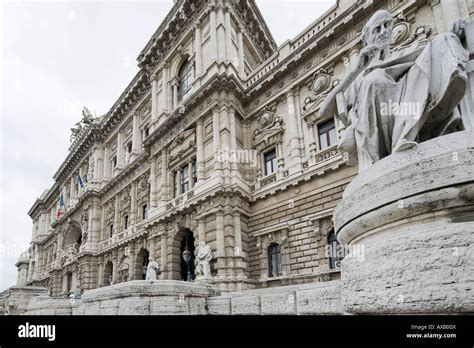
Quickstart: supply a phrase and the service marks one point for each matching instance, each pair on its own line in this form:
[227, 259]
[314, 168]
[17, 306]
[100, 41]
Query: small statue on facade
[203, 260]
[152, 269]
[86, 116]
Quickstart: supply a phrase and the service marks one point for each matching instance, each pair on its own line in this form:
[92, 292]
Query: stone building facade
[218, 138]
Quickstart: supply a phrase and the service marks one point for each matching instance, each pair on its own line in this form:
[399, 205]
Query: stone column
[164, 176]
[199, 150]
[228, 37]
[198, 48]
[175, 94]
[240, 43]
[114, 268]
[237, 233]
[98, 172]
[220, 242]
[293, 141]
[178, 179]
[106, 172]
[120, 150]
[216, 129]
[136, 134]
[353, 57]
[117, 214]
[153, 184]
[164, 104]
[233, 138]
[190, 174]
[298, 120]
[202, 230]
[131, 266]
[133, 204]
[154, 99]
[151, 247]
[213, 33]
[72, 182]
[163, 256]
[95, 224]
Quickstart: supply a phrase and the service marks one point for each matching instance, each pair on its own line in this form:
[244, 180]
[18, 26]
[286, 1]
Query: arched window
[336, 252]
[185, 79]
[274, 260]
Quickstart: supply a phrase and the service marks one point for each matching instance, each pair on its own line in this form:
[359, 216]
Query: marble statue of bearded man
[393, 99]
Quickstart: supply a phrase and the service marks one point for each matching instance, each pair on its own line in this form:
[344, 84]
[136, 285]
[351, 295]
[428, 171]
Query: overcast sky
[57, 56]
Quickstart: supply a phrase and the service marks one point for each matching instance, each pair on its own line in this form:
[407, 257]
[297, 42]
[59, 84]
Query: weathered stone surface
[280, 303]
[219, 305]
[246, 305]
[325, 299]
[416, 235]
[134, 306]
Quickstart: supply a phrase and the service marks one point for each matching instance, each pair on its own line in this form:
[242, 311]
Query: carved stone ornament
[320, 85]
[269, 130]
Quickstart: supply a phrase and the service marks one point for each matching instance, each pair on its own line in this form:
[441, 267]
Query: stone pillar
[153, 184]
[233, 138]
[163, 256]
[216, 129]
[164, 176]
[106, 172]
[154, 99]
[220, 242]
[136, 146]
[95, 224]
[99, 158]
[120, 150]
[198, 47]
[190, 174]
[151, 247]
[117, 214]
[353, 57]
[299, 121]
[175, 94]
[178, 184]
[133, 204]
[164, 104]
[293, 141]
[213, 33]
[131, 266]
[202, 230]
[237, 233]
[72, 182]
[228, 37]
[240, 43]
[199, 150]
[114, 268]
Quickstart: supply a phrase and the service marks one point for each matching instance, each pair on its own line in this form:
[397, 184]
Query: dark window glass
[270, 162]
[111, 230]
[185, 79]
[144, 211]
[274, 260]
[185, 179]
[194, 172]
[125, 222]
[327, 134]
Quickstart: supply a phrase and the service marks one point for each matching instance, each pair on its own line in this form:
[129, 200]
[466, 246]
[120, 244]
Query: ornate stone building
[218, 138]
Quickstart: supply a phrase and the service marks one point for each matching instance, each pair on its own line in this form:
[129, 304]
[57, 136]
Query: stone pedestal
[410, 220]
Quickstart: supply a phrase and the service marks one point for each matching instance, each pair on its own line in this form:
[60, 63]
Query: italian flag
[61, 206]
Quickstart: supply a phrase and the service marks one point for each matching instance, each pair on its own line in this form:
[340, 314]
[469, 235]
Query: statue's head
[202, 244]
[378, 30]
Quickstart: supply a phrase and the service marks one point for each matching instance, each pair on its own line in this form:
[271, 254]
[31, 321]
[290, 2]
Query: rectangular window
[114, 162]
[111, 230]
[144, 211]
[129, 147]
[327, 134]
[125, 222]
[270, 162]
[185, 179]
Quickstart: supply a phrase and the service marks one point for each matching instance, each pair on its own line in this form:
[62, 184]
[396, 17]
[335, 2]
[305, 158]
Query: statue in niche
[152, 269]
[392, 100]
[203, 260]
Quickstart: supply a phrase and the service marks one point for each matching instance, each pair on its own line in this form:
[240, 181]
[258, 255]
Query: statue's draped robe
[411, 75]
